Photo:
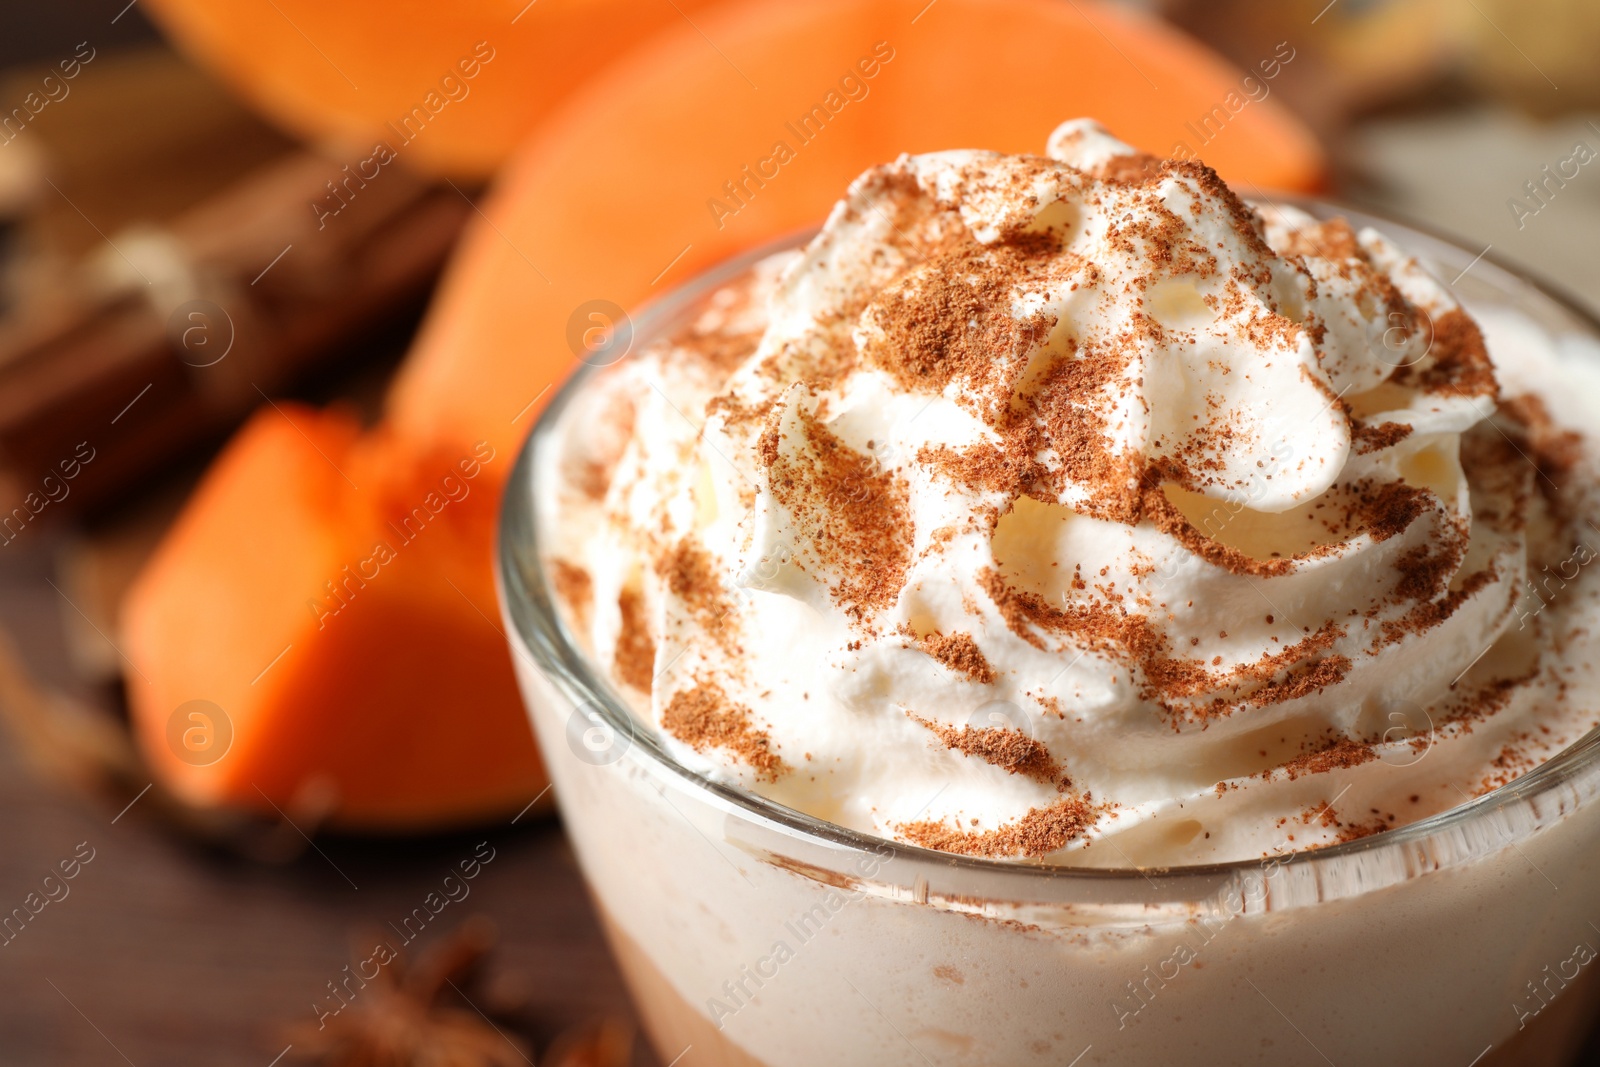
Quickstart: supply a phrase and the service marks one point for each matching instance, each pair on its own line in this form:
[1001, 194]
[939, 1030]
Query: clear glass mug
[751, 933]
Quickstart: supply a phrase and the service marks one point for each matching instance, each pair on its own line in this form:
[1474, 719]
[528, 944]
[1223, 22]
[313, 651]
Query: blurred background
[239, 215]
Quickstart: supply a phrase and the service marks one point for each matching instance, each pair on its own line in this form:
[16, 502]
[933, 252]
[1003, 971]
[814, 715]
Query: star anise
[398, 1018]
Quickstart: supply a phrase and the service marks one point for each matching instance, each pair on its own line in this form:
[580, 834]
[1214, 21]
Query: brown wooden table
[166, 952]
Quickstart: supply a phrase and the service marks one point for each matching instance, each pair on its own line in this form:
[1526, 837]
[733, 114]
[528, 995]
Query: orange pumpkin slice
[324, 606]
[450, 87]
[657, 170]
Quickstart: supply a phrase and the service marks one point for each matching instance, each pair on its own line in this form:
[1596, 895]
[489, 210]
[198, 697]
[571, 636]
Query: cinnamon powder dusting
[1165, 516]
[945, 320]
[1313, 677]
[722, 352]
[1038, 833]
[704, 717]
[635, 658]
[693, 579]
[592, 474]
[1349, 832]
[1327, 817]
[1167, 679]
[1341, 755]
[574, 586]
[1331, 239]
[1368, 438]
[857, 517]
[960, 653]
[1460, 363]
[1133, 168]
[1554, 450]
[1003, 747]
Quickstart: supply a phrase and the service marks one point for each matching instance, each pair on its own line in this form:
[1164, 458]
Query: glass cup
[751, 933]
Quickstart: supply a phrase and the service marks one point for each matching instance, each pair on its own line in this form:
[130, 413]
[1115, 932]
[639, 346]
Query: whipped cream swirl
[1071, 506]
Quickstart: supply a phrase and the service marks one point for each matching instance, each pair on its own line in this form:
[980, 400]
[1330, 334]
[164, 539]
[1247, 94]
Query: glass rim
[539, 631]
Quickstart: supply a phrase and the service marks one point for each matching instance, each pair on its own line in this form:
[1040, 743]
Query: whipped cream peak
[1044, 500]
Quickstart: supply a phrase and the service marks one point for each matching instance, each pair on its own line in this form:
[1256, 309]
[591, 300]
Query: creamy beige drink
[1069, 512]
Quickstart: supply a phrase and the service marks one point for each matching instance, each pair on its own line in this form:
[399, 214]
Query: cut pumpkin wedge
[327, 596]
[450, 87]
